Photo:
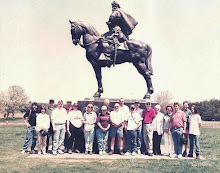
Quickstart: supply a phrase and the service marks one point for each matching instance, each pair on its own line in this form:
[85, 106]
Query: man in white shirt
[125, 109]
[139, 130]
[60, 121]
[133, 123]
[117, 118]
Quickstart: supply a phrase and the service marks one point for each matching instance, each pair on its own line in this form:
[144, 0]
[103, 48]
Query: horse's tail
[148, 60]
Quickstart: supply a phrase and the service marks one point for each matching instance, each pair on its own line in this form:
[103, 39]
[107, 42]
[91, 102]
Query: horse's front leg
[98, 73]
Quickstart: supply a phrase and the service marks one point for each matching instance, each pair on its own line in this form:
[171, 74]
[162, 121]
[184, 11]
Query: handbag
[88, 127]
[43, 133]
[183, 139]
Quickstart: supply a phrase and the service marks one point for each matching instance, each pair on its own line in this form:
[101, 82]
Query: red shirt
[149, 115]
[177, 119]
[68, 109]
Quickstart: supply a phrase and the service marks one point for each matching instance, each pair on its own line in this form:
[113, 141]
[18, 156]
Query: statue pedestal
[99, 102]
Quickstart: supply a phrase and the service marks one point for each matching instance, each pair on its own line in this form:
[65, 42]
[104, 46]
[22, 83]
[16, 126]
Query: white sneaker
[138, 151]
[44, 153]
[23, 151]
[173, 156]
[104, 153]
[54, 153]
[179, 156]
[127, 153]
[39, 153]
[100, 153]
[60, 152]
[133, 153]
[166, 154]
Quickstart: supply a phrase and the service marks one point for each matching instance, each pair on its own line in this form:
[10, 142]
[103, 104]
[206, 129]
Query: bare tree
[163, 98]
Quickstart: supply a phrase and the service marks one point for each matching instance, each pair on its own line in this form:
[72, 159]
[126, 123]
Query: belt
[147, 123]
[59, 123]
[177, 127]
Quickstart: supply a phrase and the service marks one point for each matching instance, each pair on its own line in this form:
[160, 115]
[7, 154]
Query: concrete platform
[82, 156]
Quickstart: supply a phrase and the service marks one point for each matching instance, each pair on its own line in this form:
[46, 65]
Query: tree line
[16, 100]
[209, 110]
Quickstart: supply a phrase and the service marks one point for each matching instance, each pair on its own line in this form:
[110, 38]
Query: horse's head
[76, 32]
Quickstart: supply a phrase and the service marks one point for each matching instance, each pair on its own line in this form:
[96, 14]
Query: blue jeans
[131, 140]
[102, 138]
[58, 137]
[176, 134]
[193, 138]
[31, 133]
[89, 139]
[139, 137]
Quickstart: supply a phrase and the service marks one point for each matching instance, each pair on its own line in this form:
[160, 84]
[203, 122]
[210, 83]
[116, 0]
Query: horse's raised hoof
[147, 96]
[97, 94]
[100, 90]
[150, 90]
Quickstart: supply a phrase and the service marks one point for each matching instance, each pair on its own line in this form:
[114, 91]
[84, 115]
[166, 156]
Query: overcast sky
[37, 53]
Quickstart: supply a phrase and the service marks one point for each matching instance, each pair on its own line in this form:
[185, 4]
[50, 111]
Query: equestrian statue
[114, 47]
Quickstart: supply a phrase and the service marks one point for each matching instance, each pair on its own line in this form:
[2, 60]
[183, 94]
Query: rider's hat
[114, 3]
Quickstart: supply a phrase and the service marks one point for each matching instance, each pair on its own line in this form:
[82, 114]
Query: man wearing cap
[68, 106]
[139, 130]
[149, 114]
[188, 114]
[75, 126]
[49, 110]
[117, 119]
[103, 123]
[68, 109]
[133, 123]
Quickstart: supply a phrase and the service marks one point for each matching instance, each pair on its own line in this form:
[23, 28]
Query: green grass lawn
[12, 139]
[13, 120]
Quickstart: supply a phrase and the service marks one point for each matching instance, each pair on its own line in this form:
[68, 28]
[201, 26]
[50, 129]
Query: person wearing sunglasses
[89, 128]
[117, 118]
[149, 114]
[91, 100]
[133, 122]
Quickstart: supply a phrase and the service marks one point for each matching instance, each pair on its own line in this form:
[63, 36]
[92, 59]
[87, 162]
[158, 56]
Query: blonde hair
[157, 107]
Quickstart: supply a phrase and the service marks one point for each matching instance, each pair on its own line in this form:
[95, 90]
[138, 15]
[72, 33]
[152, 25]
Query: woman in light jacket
[168, 140]
[89, 126]
[158, 130]
[42, 126]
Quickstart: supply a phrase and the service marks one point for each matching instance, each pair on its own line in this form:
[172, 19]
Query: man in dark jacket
[30, 121]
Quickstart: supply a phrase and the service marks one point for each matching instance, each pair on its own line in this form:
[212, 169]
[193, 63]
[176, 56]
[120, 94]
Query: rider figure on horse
[120, 26]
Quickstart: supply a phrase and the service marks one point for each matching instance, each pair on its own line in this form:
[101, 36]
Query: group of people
[135, 130]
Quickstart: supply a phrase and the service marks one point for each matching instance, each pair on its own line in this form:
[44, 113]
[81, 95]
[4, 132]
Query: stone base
[99, 102]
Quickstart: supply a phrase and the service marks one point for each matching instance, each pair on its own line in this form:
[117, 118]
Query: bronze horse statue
[139, 54]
